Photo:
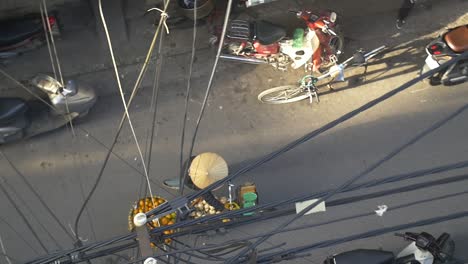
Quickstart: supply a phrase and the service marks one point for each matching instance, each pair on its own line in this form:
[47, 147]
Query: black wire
[209, 258]
[333, 242]
[22, 216]
[38, 196]
[312, 134]
[157, 74]
[355, 187]
[242, 241]
[28, 208]
[8, 256]
[187, 96]
[26, 241]
[377, 164]
[208, 89]
[362, 174]
[106, 159]
[305, 138]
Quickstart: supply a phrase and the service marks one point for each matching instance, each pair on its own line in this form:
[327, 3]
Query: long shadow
[406, 58]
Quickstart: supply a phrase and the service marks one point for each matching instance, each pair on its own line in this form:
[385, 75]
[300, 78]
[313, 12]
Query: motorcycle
[450, 44]
[19, 35]
[423, 249]
[21, 120]
[317, 47]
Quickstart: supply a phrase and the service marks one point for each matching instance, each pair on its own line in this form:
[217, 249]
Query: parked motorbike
[20, 119]
[23, 34]
[316, 47]
[423, 249]
[450, 44]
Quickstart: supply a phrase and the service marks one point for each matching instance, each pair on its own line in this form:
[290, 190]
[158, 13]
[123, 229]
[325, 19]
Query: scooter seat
[14, 31]
[267, 33]
[457, 39]
[365, 256]
[10, 108]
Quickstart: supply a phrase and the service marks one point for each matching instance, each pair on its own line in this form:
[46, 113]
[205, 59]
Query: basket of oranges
[147, 204]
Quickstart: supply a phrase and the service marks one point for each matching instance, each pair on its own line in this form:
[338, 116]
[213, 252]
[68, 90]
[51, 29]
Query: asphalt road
[62, 168]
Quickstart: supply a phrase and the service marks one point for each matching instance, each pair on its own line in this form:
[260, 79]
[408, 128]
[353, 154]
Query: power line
[208, 88]
[355, 178]
[38, 196]
[286, 148]
[23, 217]
[309, 136]
[124, 117]
[187, 95]
[289, 254]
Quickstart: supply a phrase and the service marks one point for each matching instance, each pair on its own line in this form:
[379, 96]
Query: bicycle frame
[335, 71]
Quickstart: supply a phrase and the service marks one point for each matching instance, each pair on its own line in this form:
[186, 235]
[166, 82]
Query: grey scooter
[20, 119]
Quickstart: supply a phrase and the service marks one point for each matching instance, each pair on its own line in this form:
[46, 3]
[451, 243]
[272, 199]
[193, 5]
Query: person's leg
[404, 11]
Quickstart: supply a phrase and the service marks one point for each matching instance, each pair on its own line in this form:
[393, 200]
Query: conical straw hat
[207, 168]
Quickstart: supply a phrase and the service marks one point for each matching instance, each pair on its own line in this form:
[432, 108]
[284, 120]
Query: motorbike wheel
[283, 95]
[337, 42]
[337, 46]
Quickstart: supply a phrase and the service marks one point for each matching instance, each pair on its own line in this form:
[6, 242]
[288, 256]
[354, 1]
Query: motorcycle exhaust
[242, 59]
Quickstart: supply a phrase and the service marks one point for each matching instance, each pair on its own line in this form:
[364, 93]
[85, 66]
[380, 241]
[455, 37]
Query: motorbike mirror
[333, 17]
[337, 72]
[46, 83]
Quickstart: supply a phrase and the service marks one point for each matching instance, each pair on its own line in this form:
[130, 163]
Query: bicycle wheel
[283, 95]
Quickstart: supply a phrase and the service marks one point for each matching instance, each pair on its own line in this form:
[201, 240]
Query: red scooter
[315, 47]
[18, 35]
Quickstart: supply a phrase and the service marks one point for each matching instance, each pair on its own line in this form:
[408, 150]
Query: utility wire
[59, 69]
[209, 251]
[187, 94]
[8, 258]
[208, 89]
[355, 178]
[26, 241]
[117, 76]
[124, 117]
[38, 196]
[269, 157]
[29, 209]
[23, 217]
[311, 135]
[52, 63]
[155, 97]
[289, 254]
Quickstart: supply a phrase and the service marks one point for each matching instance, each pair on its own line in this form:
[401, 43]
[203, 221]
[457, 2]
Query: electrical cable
[26, 241]
[7, 257]
[187, 93]
[355, 178]
[311, 135]
[23, 217]
[307, 226]
[29, 209]
[338, 202]
[59, 69]
[208, 88]
[333, 242]
[38, 196]
[438, 124]
[155, 97]
[47, 39]
[316, 132]
[114, 142]
[117, 76]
